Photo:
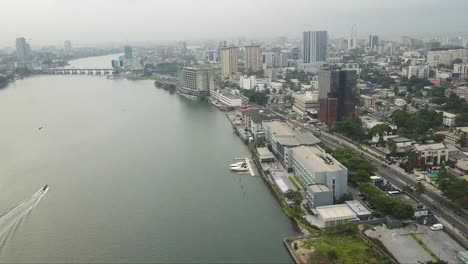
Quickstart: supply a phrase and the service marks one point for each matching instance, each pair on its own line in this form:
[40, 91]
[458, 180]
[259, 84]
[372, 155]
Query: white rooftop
[335, 212]
[358, 208]
[316, 158]
[436, 146]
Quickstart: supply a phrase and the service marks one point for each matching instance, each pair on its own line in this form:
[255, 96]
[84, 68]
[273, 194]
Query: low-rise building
[446, 56]
[433, 154]
[312, 165]
[254, 121]
[461, 68]
[247, 82]
[226, 98]
[319, 195]
[333, 215]
[462, 166]
[399, 144]
[367, 101]
[359, 209]
[265, 155]
[448, 119]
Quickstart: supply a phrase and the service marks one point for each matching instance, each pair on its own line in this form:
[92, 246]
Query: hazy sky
[104, 21]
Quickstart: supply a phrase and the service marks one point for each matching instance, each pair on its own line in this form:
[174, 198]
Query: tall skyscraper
[195, 82]
[67, 48]
[228, 61]
[23, 50]
[352, 43]
[314, 46]
[128, 51]
[253, 58]
[373, 42]
[336, 95]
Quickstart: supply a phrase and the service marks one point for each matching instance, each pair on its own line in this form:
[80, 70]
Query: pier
[248, 162]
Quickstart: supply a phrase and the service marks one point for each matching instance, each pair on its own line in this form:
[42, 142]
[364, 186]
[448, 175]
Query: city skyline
[108, 25]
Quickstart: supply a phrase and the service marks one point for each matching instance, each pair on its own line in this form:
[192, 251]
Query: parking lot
[407, 250]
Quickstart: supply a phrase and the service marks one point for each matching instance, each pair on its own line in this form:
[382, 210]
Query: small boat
[240, 168]
[238, 164]
[45, 187]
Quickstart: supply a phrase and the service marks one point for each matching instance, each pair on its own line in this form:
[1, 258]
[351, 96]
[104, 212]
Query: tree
[294, 196]
[463, 140]
[381, 130]
[462, 119]
[420, 189]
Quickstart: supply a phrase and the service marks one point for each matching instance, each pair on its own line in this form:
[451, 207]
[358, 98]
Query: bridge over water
[97, 71]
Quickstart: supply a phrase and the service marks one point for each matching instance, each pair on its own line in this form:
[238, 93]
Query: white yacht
[238, 164]
[240, 168]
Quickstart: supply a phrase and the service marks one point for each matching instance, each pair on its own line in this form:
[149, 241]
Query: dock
[248, 162]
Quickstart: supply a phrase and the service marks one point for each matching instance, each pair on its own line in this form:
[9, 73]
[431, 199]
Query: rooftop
[316, 158]
[436, 146]
[317, 188]
[264, 153]
[286, 135]
[358, 208]
[335, 212]
[259, 115]
[399, 139]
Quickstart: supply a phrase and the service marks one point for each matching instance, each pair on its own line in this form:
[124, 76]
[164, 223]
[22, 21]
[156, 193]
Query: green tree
[463, 140]
[420, 189]
[381, 130]
[294, 196]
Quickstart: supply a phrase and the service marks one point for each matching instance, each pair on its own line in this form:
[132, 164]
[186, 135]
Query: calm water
[135, 175]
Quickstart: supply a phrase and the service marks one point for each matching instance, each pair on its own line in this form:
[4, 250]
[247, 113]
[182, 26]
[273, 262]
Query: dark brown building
[336, 95]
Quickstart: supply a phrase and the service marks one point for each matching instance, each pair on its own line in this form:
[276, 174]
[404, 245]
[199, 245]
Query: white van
[436, 227]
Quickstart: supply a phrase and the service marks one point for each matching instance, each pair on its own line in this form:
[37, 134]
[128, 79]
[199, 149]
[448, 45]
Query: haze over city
[49, 22]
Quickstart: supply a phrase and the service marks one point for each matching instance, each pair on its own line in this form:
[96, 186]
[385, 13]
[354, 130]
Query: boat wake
[10, 220]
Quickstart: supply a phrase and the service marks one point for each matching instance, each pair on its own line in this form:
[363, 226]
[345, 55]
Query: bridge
[74, 71]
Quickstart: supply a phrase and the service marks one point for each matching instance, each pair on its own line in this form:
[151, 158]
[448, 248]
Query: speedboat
[240, 168]
[238, 164]
[45, 187]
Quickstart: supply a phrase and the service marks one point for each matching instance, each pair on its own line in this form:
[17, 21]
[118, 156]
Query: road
[438, 204]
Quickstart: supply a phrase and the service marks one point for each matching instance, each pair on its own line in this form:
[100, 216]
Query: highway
[438, 204]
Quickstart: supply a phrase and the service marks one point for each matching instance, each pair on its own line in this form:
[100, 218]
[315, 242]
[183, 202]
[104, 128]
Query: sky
[51, 22]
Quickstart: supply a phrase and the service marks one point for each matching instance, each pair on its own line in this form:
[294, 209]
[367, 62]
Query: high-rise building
[336, 95]
[314, 46]
[253, 58]
[352, 43]
[67, 48]
[228, 61]
[128, 51]
[195, 82]
[23, 50]
[295, 54]
[373, 42]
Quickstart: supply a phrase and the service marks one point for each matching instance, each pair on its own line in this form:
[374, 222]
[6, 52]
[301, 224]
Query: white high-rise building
[67, 48]
[420, 71]
[352, 43]
[228, 61]
[23, 50]
[314, 46]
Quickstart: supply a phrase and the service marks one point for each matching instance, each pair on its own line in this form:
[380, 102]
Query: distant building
[305, 103]
[312, 165]
[400, 144]
[228, 61]
[420, 71]
[352, 42]
[195, 82]
[367, 101]
[336, 95]
[253, 58]
[457, 42]
[67, 48]
[461, 68]
[23, 50]
[254, 121]
[227, 99]
[448, 119]
[446, 56]
[212, 56]
[373, 42]
[247, 82]
[128, 52]
[314, 46]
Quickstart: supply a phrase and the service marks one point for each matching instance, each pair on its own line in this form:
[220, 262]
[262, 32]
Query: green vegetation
[416, 125]
[463, 140]
[453, 103]
[166, 86]
[260, 73]
[295, 183]
[359, 169]
[454, 188]
[351, 128]
[23, 71]
[255, 97]
[343, 245]
[415, 85]
[3, 81]
[299, 182]
[424, 246]
[462, 119]
[385, 204]
[229, 84]
[381, 130]
[299, 75]
[375, 76]
[169, 68]
[294, 196]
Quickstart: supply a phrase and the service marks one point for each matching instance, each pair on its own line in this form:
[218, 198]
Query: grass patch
[343, 247]
[424, 246]
[294, 181]
[299, 182]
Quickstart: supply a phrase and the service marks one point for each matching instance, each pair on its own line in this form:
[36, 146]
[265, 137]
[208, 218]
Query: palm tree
[420, 189]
